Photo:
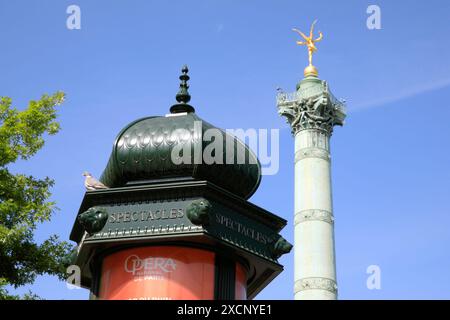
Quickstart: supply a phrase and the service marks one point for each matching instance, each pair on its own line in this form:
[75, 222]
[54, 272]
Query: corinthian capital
[312, 106]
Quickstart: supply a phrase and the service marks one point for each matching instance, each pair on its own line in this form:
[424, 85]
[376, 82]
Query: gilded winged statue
[309, 41]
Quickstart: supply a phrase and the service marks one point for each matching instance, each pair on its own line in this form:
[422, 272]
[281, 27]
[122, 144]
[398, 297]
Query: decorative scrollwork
[313, 215]
[315, 283]
[312, 153]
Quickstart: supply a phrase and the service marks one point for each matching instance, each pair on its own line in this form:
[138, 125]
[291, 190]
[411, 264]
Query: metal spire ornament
[183, 96]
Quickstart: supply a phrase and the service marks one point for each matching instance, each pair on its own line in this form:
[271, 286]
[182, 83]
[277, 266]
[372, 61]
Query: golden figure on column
[310, 44]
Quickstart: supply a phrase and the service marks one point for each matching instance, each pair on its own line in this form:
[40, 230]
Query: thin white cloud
[405, 94]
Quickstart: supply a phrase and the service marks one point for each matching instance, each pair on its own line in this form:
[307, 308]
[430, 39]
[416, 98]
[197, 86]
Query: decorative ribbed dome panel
[142, 153]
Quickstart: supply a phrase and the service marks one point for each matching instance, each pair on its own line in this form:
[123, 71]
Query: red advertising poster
[158, 273]
[241, 282]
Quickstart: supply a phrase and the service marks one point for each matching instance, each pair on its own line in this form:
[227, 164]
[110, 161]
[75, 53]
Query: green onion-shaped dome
[153, 149]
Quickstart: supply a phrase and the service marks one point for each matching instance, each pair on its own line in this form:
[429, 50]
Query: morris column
[161, 225]
[312, 112]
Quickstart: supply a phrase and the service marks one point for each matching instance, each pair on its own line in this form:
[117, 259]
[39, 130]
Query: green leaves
[21, 131]
[24, 199]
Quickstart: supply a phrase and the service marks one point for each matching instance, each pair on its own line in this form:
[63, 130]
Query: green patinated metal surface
[154, 200]
[142, 151]
[158, 214]
[152, 218]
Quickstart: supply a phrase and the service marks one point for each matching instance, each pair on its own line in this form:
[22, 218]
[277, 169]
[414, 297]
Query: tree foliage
[24, 199]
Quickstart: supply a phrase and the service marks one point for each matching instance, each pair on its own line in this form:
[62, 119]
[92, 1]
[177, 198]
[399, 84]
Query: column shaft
[315, 270]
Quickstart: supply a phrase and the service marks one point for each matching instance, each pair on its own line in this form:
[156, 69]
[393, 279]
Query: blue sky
[391, 160]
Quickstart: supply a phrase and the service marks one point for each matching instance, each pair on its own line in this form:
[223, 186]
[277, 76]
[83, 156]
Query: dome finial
[183, 96]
